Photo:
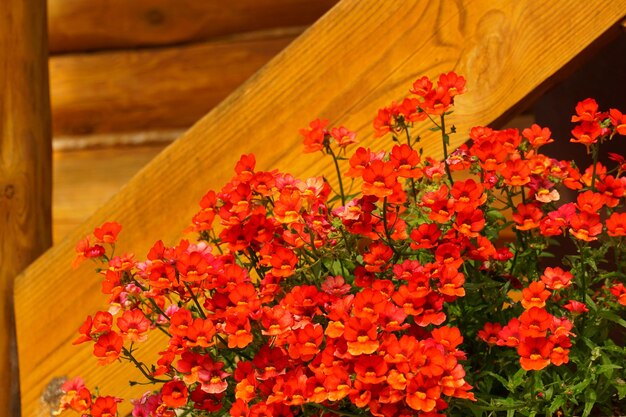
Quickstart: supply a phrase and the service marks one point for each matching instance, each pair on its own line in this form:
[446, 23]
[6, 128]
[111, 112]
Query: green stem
[446, 139]
[343, 196]
[596, 153]
[195, 300]
[128, 354]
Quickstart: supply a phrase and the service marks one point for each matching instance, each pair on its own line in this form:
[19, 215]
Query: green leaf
[503, 381]
[517, 379]
[620, 386]
[609, 315]
[606, 369]
[556, 404]
[590, 400]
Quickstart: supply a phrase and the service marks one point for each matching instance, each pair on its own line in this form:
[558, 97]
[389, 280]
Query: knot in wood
[9, 191]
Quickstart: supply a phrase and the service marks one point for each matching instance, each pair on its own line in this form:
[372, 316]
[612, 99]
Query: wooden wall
[128, 77]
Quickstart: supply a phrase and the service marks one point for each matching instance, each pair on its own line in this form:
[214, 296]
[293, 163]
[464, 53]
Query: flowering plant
[431, 291]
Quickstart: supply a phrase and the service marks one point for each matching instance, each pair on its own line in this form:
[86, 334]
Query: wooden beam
[359, 57]
[164, 88]
[78, 25]
[25, 166]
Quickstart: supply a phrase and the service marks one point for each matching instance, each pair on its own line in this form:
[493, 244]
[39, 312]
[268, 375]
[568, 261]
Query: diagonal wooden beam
[355, 59]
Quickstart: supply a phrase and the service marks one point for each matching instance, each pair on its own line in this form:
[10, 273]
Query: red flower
[107, 233]
[361, 335]
[616, 224]
[314, 135]
[586, 133]
[538, 136]
[104, 407]
[108, 348]
[422, 393]
[618, 120]
[535, 295]
[577, 307]
[534, 353]
[619, 291]
[379, 179]
[304, 343]
[586, 111]
[535, 322]
[585, 226]
[370, 369]
[377, 257]
[405, 161]
[527, 216]
[134, 325]
[556, 278]
[343, 136]
[174, 394]
[516, 172]
[490, 333]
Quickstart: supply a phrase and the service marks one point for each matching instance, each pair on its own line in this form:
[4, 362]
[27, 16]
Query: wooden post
[25, 166]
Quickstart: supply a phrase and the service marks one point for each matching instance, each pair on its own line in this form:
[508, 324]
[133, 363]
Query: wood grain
[85, 179]
[355, 59]
[164, 88]
[25, 186]
[79, 25]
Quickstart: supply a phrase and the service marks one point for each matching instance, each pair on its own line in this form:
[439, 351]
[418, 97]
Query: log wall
[25, 167]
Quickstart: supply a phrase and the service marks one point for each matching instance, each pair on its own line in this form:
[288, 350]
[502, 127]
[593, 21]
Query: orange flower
[134, 325]
[469, 222]
[104, 407]
[238, 328]
[535, 295]
[616, 224]
[585, 226]
[590, 202]
[619, 291]
[586, 133]
[423, 393]
[174, 394]
[315, 135]
[467, 194]
[490, 332]
[535, 322]
[527, 216]
[370, 369]
[108, 348]
[361, 335]
[405, 161]
[377, 257]
[586, 111]
[537, 136]
[201, 333]
[379, 179]
[556, 278]
[534, 353]
[618, 120]
[304, 342]
[107, 233]
[343, 136]
[516, 172]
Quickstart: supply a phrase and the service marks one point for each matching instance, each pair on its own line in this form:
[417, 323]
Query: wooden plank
[357, 58]
[79, 25]
[127, 91]
[25, 164]
[85, 179]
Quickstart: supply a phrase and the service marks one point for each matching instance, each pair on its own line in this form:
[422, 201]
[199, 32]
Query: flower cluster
[398, 299]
